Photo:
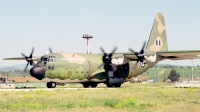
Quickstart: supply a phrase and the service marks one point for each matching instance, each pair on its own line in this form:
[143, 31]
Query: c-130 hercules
[110, 68]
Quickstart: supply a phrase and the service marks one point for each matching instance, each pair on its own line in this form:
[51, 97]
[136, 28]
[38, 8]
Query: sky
[60, 24]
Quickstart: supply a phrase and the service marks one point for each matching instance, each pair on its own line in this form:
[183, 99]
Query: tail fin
[158, 39]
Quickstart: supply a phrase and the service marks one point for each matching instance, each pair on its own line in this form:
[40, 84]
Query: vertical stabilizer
[158, 39]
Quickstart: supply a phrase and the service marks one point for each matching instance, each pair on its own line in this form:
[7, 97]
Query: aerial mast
[86, 36]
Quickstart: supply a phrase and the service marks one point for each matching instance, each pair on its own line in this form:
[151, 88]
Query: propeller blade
[26, 67]
[140, 55]
[24, 55]
[102, 50]
[50, 50]
[132, 50]
[143, 46]
[29, 59]
[31, 53]
[114, 50]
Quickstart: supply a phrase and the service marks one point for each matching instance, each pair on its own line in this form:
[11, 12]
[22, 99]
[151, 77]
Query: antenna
[86, 36]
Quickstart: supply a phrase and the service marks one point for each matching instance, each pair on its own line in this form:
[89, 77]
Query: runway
[53, 89]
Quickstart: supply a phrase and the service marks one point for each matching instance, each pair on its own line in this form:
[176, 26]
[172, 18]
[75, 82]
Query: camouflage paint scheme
[80, 68]
[84, 67]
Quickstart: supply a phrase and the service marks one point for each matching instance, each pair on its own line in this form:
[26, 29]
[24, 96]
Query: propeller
[50, 50]
[28, 59]
[107, 58]
[140, 55]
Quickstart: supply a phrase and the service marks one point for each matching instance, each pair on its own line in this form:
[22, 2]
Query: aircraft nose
[37, 72]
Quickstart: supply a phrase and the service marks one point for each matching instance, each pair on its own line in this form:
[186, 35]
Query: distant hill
[14, 67]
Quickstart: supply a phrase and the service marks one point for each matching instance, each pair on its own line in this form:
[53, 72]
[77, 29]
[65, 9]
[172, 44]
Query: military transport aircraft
[110, 68]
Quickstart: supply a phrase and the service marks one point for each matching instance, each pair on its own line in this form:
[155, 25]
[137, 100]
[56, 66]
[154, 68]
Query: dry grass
[24, 79]
[128, 98]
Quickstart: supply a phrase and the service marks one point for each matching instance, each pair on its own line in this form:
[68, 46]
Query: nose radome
[37, 72]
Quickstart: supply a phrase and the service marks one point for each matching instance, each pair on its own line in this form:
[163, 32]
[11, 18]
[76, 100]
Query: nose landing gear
[51, 84]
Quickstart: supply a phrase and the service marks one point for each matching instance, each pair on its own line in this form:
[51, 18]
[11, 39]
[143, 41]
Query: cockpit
[50, 59]
[45, 59]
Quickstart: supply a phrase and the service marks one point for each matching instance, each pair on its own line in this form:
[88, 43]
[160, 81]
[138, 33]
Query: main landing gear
[87, 85]
[113, 85]
[51, 84]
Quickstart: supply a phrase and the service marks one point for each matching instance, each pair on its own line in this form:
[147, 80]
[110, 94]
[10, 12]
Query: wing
[171, 55]
[35, 58]
[179, 55]
[133, 57]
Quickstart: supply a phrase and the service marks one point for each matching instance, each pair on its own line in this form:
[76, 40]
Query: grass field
[130, 97]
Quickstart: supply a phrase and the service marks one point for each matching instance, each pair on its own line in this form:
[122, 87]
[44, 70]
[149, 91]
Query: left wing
[179, 55]
[171, 55]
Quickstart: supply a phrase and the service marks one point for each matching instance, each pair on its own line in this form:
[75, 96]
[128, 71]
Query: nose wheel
[51, 84]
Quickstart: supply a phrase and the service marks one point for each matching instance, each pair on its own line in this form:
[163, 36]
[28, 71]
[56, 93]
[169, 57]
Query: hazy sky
[60, 24]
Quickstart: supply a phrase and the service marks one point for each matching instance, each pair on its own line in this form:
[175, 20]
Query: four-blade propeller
[140, 56]
[28, 59]
[107, 58]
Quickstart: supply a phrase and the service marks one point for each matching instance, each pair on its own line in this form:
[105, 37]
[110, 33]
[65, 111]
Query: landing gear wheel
[51, 84]
[117, 85]
[109, 85]
[48, 85]
[86, 85]
[94, 85]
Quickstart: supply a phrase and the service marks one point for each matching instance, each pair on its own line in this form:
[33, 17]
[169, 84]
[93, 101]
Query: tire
[51, 84]
[117, 85]
[94, 85]
[48, 85]
[86, 85]
[109, 85]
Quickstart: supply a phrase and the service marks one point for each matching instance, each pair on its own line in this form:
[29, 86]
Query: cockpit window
[52, 59]
[43, 59]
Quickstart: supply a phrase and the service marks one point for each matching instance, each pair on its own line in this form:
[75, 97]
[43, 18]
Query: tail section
[158, 39]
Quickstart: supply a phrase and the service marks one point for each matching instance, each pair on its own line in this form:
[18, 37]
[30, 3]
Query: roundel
[142, 64]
